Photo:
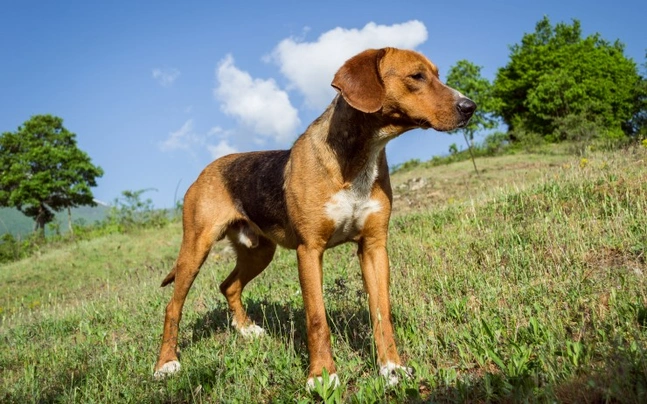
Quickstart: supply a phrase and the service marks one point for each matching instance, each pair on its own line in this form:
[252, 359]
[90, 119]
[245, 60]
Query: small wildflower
[644, 142]
[583, 162]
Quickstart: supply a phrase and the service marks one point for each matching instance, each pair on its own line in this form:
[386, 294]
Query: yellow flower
[644, 143]
[583, 162]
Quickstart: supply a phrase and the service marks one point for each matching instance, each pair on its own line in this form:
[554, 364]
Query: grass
[526, 284]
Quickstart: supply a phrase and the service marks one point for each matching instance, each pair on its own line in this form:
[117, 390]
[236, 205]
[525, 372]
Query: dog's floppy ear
[359, 81]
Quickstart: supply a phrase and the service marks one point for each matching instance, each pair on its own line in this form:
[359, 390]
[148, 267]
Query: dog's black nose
[466, 107]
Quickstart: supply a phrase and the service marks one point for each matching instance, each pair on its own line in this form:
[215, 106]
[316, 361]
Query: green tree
[555, 72]
[466, 77]
[42, 170]
[637, 126]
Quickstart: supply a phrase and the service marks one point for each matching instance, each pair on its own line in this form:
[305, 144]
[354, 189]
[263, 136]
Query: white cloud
[262, 107]
[310, 66]
[188, 140]
[182, 139]
[217, 130]
[221, 149]
[166, 76]
[259, 104]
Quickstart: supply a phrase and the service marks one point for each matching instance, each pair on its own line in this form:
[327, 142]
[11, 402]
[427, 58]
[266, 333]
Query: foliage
[128, 214]
[466, 77]
[579, 129]
[42, 170]
[638, 124]
[493, 144]
[554, 72]
[15, 248]
[131, 212]
[406, 166]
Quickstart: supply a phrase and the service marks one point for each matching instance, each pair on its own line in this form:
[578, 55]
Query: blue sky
[156, 90]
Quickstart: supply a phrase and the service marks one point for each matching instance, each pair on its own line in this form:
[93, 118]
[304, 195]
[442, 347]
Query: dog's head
[403, 86]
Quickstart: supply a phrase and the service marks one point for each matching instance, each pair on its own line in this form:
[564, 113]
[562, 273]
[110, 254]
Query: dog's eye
[417, 76]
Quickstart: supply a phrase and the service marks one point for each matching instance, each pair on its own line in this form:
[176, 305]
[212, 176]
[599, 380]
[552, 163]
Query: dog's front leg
[374, 261]
[311, 279]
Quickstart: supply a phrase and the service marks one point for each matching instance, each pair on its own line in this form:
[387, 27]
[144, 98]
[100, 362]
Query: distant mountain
[14, 222]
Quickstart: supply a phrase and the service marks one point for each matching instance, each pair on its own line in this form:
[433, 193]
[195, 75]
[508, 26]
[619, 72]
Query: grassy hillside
[12, 221]
[526, 283]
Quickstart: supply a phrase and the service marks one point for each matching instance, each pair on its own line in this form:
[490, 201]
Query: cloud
[182, 139]
[310, 66]
[221, 149]
[256, 103]
[188, 140]
[165, 77]
[217, 130]
[262, 108]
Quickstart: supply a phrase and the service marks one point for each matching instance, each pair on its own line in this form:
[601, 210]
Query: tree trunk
[69, 221]
[41, 220]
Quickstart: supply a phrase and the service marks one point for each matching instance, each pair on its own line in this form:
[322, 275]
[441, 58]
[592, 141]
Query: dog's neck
[352, 139]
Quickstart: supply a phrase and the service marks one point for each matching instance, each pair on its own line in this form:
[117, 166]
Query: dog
[330, 188]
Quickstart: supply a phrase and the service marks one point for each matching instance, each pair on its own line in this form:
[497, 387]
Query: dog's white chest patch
[349, 212]
[349, 208]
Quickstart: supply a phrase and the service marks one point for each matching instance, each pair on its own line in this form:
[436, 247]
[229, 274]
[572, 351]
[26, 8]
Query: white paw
[252, 331]
[392, 372]
[249, 331]
[333, 381]
[167, 369]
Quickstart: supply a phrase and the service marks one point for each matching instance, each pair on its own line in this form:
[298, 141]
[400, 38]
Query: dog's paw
[392, 373]
[333, 381]
[167, 369]
[251, 330]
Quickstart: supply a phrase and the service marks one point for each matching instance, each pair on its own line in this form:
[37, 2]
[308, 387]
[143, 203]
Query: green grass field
[527, 283]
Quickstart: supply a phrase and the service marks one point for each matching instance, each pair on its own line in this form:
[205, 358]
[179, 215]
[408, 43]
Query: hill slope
[12, 221]
[526, 283]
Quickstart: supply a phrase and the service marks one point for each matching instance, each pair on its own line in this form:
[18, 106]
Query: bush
[406, 166]
[496, 143]
[583, 131]
[129, 213]
[14, 249]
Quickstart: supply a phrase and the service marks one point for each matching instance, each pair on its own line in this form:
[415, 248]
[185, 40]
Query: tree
[637, 126]
[555, 72]
[466, 77]
[42, 170]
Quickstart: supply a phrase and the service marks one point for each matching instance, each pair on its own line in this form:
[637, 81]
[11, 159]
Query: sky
[155, 91]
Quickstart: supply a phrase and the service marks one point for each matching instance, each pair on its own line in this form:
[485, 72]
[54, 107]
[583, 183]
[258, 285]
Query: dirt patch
[616, 259]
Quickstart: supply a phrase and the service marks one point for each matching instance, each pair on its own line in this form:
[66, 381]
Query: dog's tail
[170, 277]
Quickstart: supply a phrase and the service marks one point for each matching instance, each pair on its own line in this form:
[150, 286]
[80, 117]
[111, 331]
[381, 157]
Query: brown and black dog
[332, 187]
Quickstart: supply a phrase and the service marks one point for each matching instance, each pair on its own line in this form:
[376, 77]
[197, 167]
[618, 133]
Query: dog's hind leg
[193, 252]
[203, 225]
[249, 263]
